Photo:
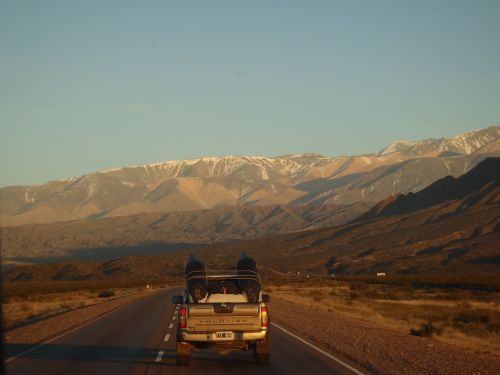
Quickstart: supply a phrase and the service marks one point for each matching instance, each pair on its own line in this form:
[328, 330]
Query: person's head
[197, 294]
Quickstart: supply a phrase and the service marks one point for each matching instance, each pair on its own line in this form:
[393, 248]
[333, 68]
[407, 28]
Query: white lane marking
[167, 337]
[171, 325]
[159, 356]
[68, 332]
[173, 318]
[356, 371]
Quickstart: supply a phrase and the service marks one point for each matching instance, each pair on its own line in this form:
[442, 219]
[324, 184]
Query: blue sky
[89, 85]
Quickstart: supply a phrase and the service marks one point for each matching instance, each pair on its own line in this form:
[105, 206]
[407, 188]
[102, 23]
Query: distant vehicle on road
[223, 310]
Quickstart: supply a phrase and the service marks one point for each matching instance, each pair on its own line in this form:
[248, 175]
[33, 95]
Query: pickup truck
[228, 316]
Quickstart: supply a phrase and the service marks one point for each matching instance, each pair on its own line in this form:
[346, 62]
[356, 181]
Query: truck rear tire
[262, 349]
[182, 360]
[262, 358]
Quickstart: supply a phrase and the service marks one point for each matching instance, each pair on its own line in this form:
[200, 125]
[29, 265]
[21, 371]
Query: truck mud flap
[263, 346]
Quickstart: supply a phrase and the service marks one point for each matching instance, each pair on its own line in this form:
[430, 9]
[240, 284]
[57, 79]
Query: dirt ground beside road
[378, 349]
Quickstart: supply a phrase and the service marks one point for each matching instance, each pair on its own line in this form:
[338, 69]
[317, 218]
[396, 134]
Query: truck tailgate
[212, 317]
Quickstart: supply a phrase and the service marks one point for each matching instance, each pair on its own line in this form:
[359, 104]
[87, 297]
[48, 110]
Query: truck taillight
[182, 318]
[264, 316]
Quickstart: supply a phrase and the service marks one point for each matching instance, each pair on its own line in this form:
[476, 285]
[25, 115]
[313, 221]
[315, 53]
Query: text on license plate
[224, 335]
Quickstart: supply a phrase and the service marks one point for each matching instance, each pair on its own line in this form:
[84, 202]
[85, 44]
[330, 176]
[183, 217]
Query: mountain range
[150, 233]
[249, 181]
[450, 227]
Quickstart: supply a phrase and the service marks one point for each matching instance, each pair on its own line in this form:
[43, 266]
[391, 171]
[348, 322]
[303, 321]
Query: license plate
[224, 335]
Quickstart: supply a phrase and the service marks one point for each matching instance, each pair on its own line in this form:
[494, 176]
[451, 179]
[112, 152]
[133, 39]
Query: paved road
[139, 338]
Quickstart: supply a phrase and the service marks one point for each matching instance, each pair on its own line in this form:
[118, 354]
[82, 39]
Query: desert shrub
[336, 292]
[318, 298]
[65, 305]
[409, 312]
[476, 323]
[425, 330]
[466, 304]
[475, 329]
[348, 299]
[360, 286]
[471, 317]
[106, 294]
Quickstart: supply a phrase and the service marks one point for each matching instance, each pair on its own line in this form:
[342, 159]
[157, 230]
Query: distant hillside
[154, 233]
[289, 180]
[479, 186]
[454, 236]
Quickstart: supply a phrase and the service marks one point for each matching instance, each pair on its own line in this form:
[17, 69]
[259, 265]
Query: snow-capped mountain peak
[464, 144]
[396, 146]
[208, 182]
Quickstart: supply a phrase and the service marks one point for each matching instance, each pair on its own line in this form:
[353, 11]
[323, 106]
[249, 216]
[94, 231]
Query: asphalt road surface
[139, 338]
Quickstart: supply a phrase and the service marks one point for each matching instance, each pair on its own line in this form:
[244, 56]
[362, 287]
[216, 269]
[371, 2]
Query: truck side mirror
[178, 300]
[266, 298]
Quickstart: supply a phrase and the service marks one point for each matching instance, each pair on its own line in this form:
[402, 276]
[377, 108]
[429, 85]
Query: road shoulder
[43, 330]
[378, 349]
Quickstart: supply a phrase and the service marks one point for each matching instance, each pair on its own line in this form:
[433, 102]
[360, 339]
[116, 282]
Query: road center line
[167, 337]
[171, 325]
[356, 371]
[159, 356]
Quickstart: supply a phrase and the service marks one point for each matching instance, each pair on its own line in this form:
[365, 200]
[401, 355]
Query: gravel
[376, 349]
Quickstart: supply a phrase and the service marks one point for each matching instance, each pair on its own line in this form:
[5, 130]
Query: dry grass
[34, 289]
[466, 318]
[28, 308]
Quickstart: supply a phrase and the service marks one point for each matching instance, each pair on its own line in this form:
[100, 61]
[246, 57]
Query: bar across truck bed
[243, 282]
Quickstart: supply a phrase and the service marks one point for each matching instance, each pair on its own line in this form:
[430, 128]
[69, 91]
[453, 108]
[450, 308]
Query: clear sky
[90, 85]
